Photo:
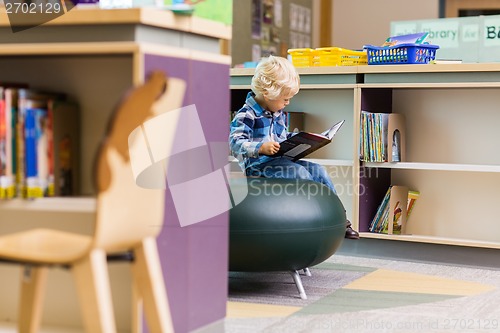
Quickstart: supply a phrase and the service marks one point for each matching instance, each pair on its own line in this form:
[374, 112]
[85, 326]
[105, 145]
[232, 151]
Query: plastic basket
[401, 54]
[337, 56]
[301, 57]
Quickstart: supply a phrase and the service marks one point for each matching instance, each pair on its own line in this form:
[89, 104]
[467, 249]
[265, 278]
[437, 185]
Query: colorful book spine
[389, 219]
[377, 131]
[39, 144]
[3, 147]
[9, 182]
[31, 137]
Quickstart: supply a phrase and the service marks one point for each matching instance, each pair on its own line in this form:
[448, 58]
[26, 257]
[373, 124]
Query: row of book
[393, 214]
[39, 133]
[382, 137]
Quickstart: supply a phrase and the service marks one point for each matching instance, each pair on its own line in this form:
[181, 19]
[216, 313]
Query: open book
[304, 143]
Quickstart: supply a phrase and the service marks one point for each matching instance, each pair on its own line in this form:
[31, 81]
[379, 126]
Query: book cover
[9, 100]
[28, 99]
[31, 137]
[415, 38]
[304, 143]
[392, 215]
[382, 208]
[412, 198]
[3, 147]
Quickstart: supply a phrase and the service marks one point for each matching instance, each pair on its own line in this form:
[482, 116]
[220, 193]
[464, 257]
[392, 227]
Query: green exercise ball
[283, 224]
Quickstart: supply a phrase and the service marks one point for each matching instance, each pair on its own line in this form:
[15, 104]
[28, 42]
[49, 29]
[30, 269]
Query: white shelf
[424, 85]
[434, 166]
[432, 240]
[55, 204]
[326, 162]
[331, 162]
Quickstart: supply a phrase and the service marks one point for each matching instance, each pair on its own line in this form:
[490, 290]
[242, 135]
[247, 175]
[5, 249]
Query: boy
[259, 126]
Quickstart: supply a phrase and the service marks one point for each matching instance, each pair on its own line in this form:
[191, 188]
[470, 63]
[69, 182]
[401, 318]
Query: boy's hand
[269, 148]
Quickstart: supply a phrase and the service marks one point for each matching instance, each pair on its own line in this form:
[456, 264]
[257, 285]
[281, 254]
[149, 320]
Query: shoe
[350, 232]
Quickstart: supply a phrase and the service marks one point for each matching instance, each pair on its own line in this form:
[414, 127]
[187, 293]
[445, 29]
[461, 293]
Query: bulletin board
[264, 27]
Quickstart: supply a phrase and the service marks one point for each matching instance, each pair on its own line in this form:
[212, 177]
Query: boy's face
[278, 104]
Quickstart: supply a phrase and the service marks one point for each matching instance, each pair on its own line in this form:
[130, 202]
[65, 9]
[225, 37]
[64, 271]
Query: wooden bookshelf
[451, 116]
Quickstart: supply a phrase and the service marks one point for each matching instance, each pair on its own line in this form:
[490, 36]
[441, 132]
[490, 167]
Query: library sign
[23, 15]
[470, 39]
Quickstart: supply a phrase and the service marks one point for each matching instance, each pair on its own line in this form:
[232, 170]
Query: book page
[330, 133]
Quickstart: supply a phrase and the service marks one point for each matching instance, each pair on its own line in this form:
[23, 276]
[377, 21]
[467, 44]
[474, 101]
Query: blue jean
[280, 167]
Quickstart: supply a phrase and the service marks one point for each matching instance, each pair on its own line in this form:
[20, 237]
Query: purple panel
[194, 258]
[373, 184]
[210, 94]
[376, 100]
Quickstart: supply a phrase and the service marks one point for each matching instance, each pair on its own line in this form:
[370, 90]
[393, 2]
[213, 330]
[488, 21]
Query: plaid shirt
[250, 128]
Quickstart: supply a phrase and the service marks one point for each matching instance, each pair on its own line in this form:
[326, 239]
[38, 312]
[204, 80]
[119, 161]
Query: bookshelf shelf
[435, 166]
[451, 116]
[432, 240]
[55, 204]
[331, 162]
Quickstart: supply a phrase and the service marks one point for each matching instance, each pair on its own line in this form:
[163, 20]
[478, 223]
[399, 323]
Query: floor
[421, 290]
[396, 296]
[11, 328]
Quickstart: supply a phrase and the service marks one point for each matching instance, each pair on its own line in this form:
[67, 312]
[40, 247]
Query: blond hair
[275, 77]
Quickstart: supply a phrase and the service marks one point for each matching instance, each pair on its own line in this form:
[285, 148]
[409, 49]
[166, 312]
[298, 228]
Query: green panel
[306, 79]
[344, 267]
[215, 10]
[345, 300]
[436, 77]
[240, 80]
[471, 39]
[328, 79]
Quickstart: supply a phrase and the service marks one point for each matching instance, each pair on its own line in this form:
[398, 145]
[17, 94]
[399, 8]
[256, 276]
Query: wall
[352, 27]
[241, 44]
[359, 22]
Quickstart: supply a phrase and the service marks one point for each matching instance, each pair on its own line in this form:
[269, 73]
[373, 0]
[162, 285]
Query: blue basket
[401, 54]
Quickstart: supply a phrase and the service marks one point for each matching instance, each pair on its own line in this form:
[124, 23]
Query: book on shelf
[303, 143]
[3, 146]
[65, 142]
[415, 38]
[382, 137]
[393, 214]
[8, 119]
[35, 150]
[31, 132]
[39, 143]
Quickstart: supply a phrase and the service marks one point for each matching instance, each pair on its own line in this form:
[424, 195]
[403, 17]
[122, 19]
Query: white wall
[359, 22]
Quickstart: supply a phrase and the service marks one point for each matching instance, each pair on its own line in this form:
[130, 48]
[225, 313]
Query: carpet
[354, 294]
[279, 288]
